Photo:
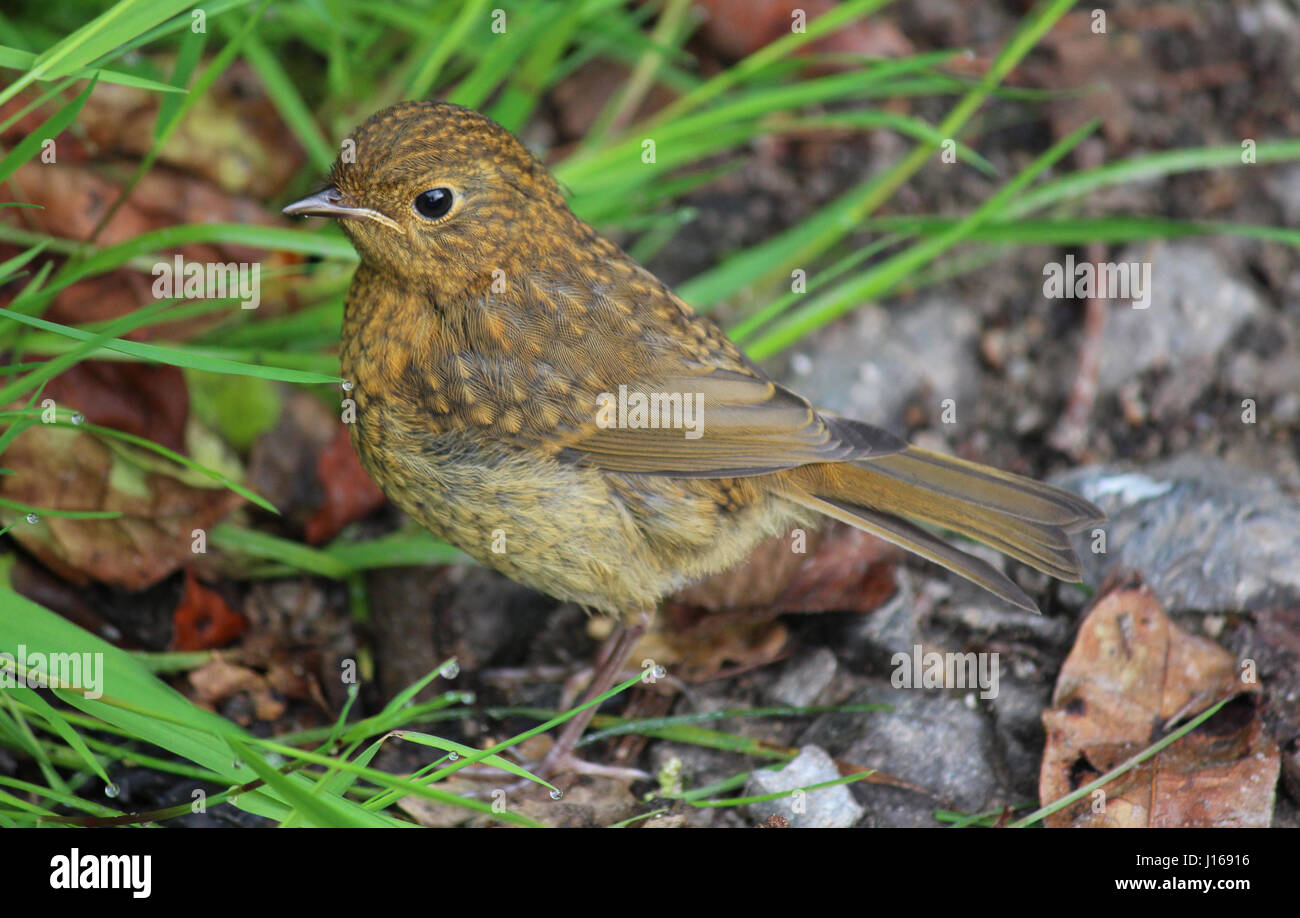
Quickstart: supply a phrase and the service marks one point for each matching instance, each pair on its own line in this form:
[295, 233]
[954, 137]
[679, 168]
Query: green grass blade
[832, 19]
[56, 124]
[178, 357]
[321, 810]
[16, 59]
[255, 544]
[288, 101]
[122, 21]
[460, 749]
[883, 277]
[802, 244]
[471, 14]
[90, 344]
[60, 725]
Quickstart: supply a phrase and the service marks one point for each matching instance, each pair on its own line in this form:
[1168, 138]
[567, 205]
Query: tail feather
[1003, 492]
[1020, 517]
[929, 546]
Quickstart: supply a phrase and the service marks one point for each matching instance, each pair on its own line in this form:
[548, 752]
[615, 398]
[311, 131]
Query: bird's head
[437, 194]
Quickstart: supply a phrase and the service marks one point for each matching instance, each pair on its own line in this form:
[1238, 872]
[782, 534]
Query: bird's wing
[743, 424]
[561, 372]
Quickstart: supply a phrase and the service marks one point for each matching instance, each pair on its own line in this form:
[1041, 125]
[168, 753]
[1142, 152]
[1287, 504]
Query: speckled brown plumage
[479, 343]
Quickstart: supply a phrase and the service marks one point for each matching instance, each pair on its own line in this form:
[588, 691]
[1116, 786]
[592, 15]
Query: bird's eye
[433, 203]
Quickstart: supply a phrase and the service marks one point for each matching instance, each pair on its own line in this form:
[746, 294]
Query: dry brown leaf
[218, 679]
[73, 199]
[589, 802]
[433, 814]
[65, 469]
[1131, 672]
[232, 136]
[218, 143]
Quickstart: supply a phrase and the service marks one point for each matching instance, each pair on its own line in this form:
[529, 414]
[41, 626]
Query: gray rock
[1205, 535]
[874, 363]
[932, 738]
[871, 641]
[974, 614]
[1018, 722]
[1268, 373]
[1196, 307]
[827, 808]
[1284, 185]
[1270, 16]
[804, 679]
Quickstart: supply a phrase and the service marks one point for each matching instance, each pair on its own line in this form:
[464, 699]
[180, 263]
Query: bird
[531, 394]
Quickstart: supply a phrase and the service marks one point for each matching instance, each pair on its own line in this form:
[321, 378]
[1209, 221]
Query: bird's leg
[610, 658]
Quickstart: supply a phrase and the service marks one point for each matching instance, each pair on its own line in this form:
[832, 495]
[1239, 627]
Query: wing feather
[747, 425]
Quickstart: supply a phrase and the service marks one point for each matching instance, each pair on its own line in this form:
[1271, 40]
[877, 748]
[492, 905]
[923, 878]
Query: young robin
[535, 397]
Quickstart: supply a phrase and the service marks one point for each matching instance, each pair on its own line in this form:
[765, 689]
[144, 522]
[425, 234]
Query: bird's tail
[889, 495]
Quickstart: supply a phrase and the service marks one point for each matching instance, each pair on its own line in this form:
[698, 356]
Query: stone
[1205, 535]
[827, 808]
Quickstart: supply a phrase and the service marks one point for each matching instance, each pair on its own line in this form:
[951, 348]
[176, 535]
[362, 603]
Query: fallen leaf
[161, 506]
[203, 620]
[74, 198]
[737, 28]
[589, 801]
[349, 492]
[219, 679]
[1131, 674]
[148, 400]
[434, 814]
[668, 821]
[78, 190]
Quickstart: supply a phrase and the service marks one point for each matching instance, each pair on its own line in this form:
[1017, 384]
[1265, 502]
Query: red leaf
[142, 399]
[203, 621]
[349, 492]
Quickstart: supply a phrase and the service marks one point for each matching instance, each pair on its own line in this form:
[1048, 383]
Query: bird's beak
[331, 202]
